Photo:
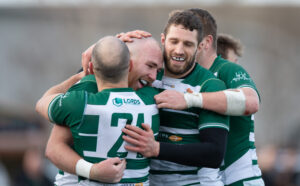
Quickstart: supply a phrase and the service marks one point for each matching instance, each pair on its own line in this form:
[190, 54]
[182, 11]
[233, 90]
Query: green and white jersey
[241, 136]
[87, 83]
[96, 120]
[184, 126]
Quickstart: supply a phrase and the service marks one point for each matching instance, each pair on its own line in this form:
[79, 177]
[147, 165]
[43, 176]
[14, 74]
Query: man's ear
[130, 65]
[91, 68]
[209, 41]
[162, 38]
[201, 45]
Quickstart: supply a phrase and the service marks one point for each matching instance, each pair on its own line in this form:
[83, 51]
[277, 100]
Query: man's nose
[152, 75]
[179, 49]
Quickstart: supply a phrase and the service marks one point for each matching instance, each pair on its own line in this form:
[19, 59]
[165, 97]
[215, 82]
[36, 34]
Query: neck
[208, 61]
[107, 85]
[170, 74]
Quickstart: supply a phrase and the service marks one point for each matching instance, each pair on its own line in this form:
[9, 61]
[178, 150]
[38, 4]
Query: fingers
[126, 38]
[134, 129]
[159, 98]
[164, 105]
[131, 140]
[132, 148]
[120, 34]
[131, 133]
[86, 58]
[85, 62]
[122, 164]
[115, 160]
[143, 33]
[146, 127]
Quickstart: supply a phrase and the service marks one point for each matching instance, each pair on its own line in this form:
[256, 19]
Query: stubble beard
[175, 72]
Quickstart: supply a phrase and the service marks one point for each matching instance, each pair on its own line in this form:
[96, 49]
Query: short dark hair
[208, 22]
[110, 58]
[226, 42]
[188, 20]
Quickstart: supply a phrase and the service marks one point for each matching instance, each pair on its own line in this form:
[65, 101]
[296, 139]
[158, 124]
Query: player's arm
[236, 102]
[43, 103]
[59, 152]
[58, 149]
[209, 153]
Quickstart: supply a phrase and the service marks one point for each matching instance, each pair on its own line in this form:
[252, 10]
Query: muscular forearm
[65, 85]
[209, 153]
[58, 149]
[235, 102]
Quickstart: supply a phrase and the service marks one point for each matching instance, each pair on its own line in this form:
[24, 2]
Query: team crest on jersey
[175, 138]
[129, 101]
[117, 102]
[241, 76]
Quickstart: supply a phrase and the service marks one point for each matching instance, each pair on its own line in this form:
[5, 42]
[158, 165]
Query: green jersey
[241, 135]
[184, 126]
[96, 120]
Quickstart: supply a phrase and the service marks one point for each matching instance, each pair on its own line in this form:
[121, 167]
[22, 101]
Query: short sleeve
[213, 85]
[87, 83]
[67, 109]
[208, 119]
[235, 76]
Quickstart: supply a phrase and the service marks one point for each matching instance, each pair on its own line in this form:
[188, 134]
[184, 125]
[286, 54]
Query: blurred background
[41, 42]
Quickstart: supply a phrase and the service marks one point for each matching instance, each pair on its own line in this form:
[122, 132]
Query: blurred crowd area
[26, 165]
[280, 165]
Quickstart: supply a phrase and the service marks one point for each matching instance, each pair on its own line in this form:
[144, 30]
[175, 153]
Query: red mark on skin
[189, 90]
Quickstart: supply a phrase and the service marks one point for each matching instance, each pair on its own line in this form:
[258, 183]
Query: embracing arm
[235, 102]
[58, 149]
[242, 101]
[209, 153]
[59, 152]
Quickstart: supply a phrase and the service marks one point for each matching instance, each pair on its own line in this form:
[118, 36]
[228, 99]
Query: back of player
[96, 121]
[240, 160]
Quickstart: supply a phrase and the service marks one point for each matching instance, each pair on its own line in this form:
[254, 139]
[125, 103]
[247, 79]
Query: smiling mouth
[178, 59]
[143, 82]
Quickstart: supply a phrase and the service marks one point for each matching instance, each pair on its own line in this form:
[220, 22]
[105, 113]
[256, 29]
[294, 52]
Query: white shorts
[67, 179]
[205, 177]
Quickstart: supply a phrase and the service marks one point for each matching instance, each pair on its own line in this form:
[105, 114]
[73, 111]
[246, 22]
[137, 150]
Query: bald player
[96, 120]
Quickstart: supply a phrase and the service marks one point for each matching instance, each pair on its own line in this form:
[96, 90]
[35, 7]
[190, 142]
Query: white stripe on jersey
[242, 168]
[252, 137]
[174, 84]
[181, 112]
[205, 125]
[178, 131]
[163, 165]
[85, 134]
[134, 173]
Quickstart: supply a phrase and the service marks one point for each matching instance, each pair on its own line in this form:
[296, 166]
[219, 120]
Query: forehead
[180, 33]
[151, 55]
